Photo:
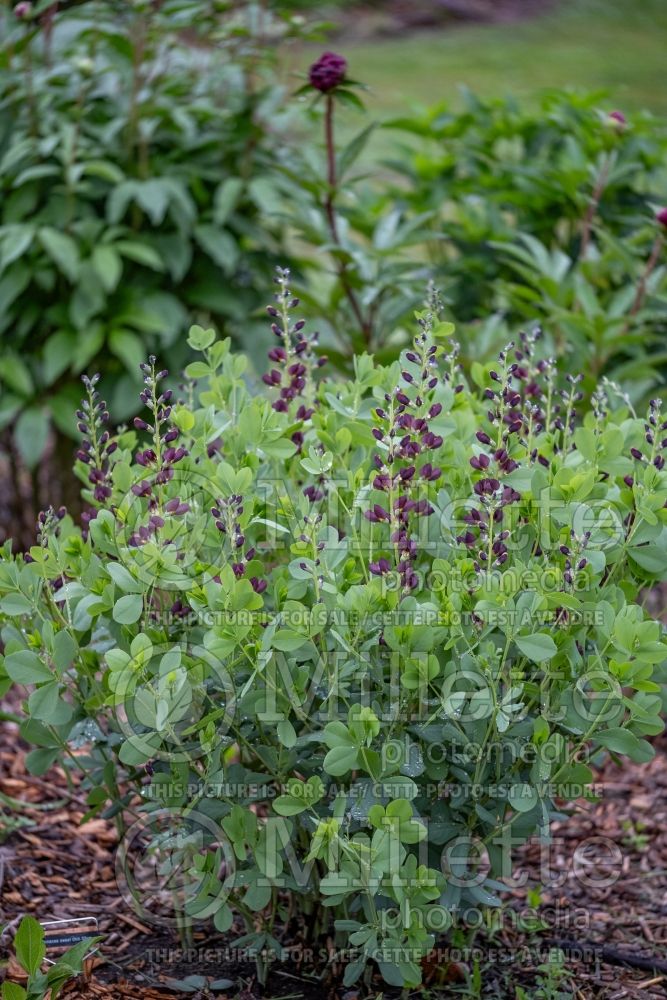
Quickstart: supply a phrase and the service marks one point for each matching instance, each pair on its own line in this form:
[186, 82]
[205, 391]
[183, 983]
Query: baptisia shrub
[351, 639]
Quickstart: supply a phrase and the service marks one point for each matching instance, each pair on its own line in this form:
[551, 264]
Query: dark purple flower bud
[140, 424]
[509, 495]
[380, 567]
[636, 453]
[142, 489]
[435, 410]
[328, 72]
[617, 117]
[432, 440]
[629, 481]
[145, 457]
[468, 539]
[661, 217]
[483, 437]
[480, 461]
[659, 461]
[259, 586]
[377, 434]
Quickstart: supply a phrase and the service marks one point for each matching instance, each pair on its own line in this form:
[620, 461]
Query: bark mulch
[603, 897]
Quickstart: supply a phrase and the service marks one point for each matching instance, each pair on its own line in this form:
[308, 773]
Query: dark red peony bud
[328, 72]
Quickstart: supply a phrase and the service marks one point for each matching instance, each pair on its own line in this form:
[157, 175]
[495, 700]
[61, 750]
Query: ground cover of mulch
[605, 878]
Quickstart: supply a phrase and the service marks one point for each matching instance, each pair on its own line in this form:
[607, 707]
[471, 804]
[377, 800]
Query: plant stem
[329, 206]
[593, 204]
[648, 270]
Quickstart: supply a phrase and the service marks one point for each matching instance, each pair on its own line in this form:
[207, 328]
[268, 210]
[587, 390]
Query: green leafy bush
[335, 647]
[547, 216]
[137, 143]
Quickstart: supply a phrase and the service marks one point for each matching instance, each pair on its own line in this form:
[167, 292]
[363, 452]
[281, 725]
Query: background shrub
[548, 216]
[136, 149]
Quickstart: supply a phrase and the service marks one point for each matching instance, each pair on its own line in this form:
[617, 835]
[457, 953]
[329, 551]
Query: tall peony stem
[330, 208]
[326, 75]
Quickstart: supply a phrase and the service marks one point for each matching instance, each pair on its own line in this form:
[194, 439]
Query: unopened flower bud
[328, 72]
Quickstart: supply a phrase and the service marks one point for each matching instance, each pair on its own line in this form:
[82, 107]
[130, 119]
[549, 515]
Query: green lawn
[618, 45]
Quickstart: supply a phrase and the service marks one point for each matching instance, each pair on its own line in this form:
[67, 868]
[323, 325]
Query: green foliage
[547, 217]
[345, 643]
[136, 193]
[30, 951]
